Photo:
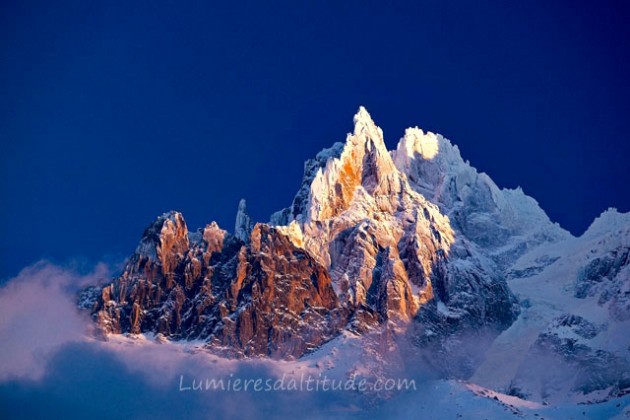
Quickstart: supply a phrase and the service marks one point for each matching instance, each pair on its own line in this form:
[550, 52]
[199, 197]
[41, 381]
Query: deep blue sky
[113, 113]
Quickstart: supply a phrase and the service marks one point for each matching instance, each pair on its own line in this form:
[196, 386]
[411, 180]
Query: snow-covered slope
[572, 337]
[504, 223]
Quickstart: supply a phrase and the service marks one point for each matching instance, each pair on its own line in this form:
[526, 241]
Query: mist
[51, 363]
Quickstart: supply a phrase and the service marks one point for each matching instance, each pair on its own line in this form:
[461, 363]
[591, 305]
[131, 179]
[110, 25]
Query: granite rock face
[266, 297]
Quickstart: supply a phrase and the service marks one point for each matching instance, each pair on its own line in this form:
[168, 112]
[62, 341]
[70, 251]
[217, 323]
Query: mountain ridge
[414, 242]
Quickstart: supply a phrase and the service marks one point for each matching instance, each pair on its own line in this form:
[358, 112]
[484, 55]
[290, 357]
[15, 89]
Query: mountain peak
[364, 163]
[366, 132]
[413, 242]
[416, 141]
[362, 119]
[611, 220]
[162, 229]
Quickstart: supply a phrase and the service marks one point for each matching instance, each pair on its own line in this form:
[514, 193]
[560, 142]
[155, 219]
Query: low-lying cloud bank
[38, 316]
[51, 365]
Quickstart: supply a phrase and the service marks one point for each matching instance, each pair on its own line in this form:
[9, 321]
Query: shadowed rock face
[563, 356]
[281, 303]
[361, 246]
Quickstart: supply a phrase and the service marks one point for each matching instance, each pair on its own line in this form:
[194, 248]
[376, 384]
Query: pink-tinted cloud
[38, 315]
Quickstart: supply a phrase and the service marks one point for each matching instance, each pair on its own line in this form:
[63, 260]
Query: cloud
[38, 316]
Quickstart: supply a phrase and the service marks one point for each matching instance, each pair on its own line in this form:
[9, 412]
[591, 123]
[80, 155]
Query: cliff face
[368, 241]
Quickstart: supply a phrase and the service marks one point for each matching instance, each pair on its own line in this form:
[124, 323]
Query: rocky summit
[412, 241]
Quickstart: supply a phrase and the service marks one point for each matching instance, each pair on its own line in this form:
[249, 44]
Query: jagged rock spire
[363, 163]
[167, 235]
[243, 225]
